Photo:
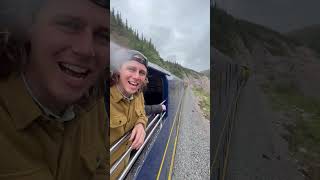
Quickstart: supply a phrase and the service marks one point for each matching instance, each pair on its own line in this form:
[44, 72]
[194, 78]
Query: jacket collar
[66, 116]
[18, 102]
[117, 96]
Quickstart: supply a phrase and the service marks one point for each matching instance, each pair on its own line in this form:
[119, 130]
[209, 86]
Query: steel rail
[134, 158]
[117, 163]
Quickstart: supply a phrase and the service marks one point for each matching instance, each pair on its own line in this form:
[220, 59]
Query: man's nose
[136, 75]
[83, 45]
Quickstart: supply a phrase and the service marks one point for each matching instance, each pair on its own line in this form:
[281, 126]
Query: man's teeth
[74, 68]
[133, 83]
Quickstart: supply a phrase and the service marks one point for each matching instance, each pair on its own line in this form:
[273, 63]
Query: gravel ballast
[192, 159]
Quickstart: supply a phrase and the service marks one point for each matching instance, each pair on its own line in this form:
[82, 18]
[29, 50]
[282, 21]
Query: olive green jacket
[124, 115]
[34, 147]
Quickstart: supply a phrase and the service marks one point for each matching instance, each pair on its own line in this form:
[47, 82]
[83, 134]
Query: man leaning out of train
[52, 116]
[127, 104]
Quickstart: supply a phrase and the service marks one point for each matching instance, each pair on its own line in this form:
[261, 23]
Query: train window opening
[154, 91]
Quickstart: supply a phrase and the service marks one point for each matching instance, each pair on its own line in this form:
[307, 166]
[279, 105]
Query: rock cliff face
[200, 86]
[202, 82]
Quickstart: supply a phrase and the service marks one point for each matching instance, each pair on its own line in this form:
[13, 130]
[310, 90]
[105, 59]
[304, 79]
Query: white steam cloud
[118, 55]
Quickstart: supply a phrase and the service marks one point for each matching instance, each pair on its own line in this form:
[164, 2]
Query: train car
[229, 78]
[154, 160]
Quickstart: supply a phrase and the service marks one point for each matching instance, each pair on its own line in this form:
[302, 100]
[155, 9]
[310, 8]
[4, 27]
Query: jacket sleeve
[148, 109]
[142, 118]
[153, 109]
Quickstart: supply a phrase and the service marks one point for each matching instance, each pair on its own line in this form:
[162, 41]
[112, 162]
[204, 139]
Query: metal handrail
[126, 136]
[163, 101]
[134, 158]
[116, 164]
[116, 145]
[151, 123]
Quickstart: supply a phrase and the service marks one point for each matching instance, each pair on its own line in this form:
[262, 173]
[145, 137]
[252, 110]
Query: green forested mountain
[126, 36]
[229, 31]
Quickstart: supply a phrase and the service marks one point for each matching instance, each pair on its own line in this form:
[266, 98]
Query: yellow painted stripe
[165, 151]
[216, 154]
[174, 148]
[226, 160]
[223, 129]
[219, 141]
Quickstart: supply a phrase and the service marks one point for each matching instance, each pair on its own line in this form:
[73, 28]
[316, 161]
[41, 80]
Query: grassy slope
[304, 134]
[204, 101]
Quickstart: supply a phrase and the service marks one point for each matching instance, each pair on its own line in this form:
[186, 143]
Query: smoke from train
[118, 55]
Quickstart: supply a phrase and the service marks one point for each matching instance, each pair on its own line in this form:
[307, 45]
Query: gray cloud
[160, 35]
[179, 28]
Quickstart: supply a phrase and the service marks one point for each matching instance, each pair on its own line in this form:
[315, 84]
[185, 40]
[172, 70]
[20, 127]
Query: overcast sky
[180, 29]
[280, 15]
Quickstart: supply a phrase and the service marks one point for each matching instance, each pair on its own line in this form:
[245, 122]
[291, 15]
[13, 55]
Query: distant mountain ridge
[309, 35]
[206, 73]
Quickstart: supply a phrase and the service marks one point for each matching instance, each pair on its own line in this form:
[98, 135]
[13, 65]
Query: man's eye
[103, 37]
[69, 25]
[142, 73]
